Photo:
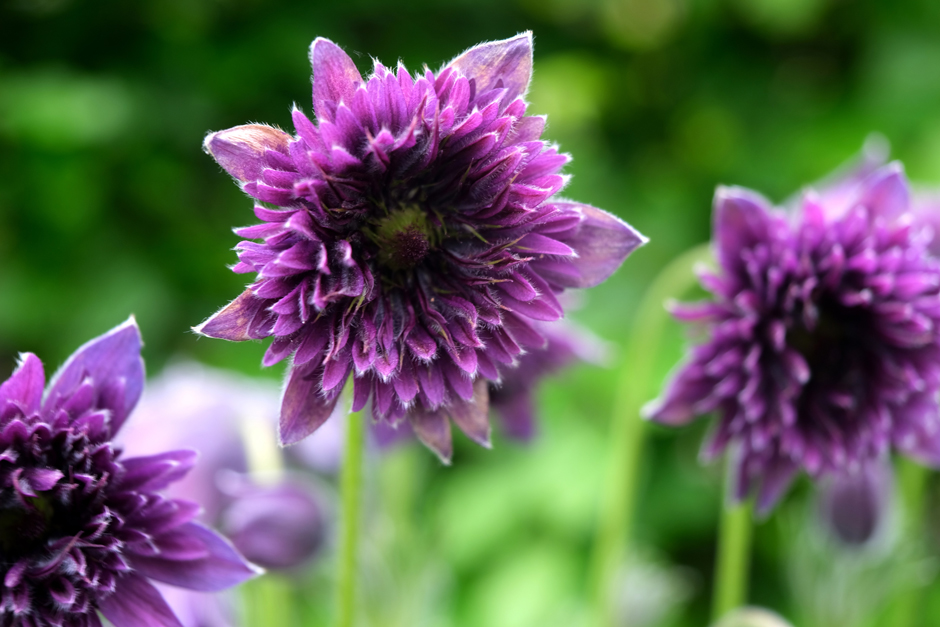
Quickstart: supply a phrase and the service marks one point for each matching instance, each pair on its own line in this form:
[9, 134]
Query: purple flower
[415, 239]
[277, 521]
[823, 349]
[83, 529]
[513, 398]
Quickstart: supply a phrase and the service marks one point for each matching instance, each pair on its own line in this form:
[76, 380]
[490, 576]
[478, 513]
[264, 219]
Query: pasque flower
[82, 528]
[410, 237]
[823, 350]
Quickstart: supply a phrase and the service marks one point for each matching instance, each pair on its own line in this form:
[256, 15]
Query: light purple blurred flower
[824, 351]
[205, 409]
[84, 528]
[415, 239]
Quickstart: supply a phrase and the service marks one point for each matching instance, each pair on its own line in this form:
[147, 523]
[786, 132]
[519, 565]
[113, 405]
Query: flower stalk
[627, 430]
[351, 499]
[734, 547]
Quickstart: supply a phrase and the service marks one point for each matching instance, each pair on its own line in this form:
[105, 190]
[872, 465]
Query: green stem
[731, 567]
[912, 481]
[627, 430]
[351, 495]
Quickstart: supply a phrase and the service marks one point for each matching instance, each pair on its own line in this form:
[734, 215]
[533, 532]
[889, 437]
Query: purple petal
[112, 361]
[221, 568]
[433, 429]
[136, 603]
[602, 242]
[25, 385]
[156, 472]
[335, 77]
[473, 416]
[303, 409]
[240, 150]
[232, 322]
[887, 192]
[741, 218]
[509, 61]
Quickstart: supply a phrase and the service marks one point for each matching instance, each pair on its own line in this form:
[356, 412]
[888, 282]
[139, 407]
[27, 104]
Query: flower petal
[303, 408]
[473, 416]
[113, 363]
[233, 321]
[240, 150]
[509, 61]
[25, 385]
[887, 192]
[602, 242]
[433, 429]
[335, 77]
[221, 568]
[136, 603]
[155, 472]
[741, 218]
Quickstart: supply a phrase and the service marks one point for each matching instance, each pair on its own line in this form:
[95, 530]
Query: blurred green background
[108, 206]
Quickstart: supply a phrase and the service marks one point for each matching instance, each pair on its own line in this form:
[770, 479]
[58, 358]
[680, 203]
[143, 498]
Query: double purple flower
[824, 334]
[409, 238]
[83, 529]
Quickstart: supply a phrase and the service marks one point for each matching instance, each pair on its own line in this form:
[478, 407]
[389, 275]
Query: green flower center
[403, 237]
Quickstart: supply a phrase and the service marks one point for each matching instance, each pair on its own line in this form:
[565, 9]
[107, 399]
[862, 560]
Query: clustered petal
[82, 529]
[824, 351]
[409, 238]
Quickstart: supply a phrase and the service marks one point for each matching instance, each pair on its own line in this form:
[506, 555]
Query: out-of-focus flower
[82, 527]
[752, 617]
[279, 520]
[415, 241]
[513, 397]
[824, 351]
[279, 525]
[853, 505]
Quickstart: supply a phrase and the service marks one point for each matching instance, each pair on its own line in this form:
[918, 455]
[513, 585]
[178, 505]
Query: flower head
[414, 239]
[823, 349]
[82, 528]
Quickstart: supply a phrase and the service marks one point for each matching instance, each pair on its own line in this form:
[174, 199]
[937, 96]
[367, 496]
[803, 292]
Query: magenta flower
[83, 529]
[414, 241]
[824, 352]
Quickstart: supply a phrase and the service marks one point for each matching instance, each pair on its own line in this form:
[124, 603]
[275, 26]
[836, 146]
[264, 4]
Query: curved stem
[351, 496]
[627, 429]
[734, 548]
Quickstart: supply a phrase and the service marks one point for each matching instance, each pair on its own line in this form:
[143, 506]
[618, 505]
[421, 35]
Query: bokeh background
[108, 206]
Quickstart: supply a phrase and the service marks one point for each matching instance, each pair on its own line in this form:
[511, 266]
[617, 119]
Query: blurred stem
[351, 497]
[627, 429]
[912, 480]
[734, 547]
[267, 601]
